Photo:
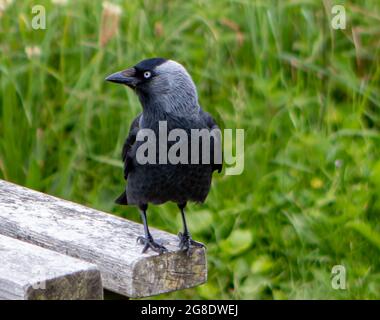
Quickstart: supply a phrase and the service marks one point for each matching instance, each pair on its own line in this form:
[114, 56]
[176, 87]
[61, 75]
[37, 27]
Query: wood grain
[29, 272]
[100, 238]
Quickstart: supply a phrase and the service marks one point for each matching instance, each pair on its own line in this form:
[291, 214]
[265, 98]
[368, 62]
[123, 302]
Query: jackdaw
[167, 93]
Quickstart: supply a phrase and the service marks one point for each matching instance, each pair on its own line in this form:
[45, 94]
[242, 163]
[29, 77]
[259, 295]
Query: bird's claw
[149, 243]
[185, 242]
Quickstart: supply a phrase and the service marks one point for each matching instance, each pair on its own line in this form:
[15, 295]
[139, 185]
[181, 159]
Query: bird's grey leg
[185, 237]
[147, 240]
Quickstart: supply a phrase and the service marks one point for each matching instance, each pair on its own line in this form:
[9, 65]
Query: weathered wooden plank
[103, 239]
[29, 272]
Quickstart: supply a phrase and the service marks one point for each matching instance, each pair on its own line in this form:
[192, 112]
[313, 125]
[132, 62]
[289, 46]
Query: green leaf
[208, 291]
[375, 174]
[365, 231]
[262, 265]
[238, 241]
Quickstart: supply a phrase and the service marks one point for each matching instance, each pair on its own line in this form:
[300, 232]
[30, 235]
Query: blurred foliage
[306, 95]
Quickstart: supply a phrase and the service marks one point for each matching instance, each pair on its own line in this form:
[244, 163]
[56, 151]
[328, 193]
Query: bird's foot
[149, 243]
[185, 242]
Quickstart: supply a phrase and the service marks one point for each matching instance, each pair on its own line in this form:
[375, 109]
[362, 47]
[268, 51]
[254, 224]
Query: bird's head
[159, 82]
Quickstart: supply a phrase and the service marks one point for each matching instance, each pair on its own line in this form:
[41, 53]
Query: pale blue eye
[147, 74]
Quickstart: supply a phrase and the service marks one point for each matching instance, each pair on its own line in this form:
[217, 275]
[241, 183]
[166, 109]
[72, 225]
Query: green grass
[307, 96]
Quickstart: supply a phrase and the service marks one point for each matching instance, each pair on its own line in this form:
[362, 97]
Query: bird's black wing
[211, 124]
[126, 155]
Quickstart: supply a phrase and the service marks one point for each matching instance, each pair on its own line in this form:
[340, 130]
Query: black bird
[167, 93]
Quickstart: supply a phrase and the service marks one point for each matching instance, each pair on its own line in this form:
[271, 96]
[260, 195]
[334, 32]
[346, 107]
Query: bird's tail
[122, 199]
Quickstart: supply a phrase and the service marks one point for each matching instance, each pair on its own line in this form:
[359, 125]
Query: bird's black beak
[127, 77]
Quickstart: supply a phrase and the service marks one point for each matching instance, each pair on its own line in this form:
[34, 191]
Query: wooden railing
[68, 251]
